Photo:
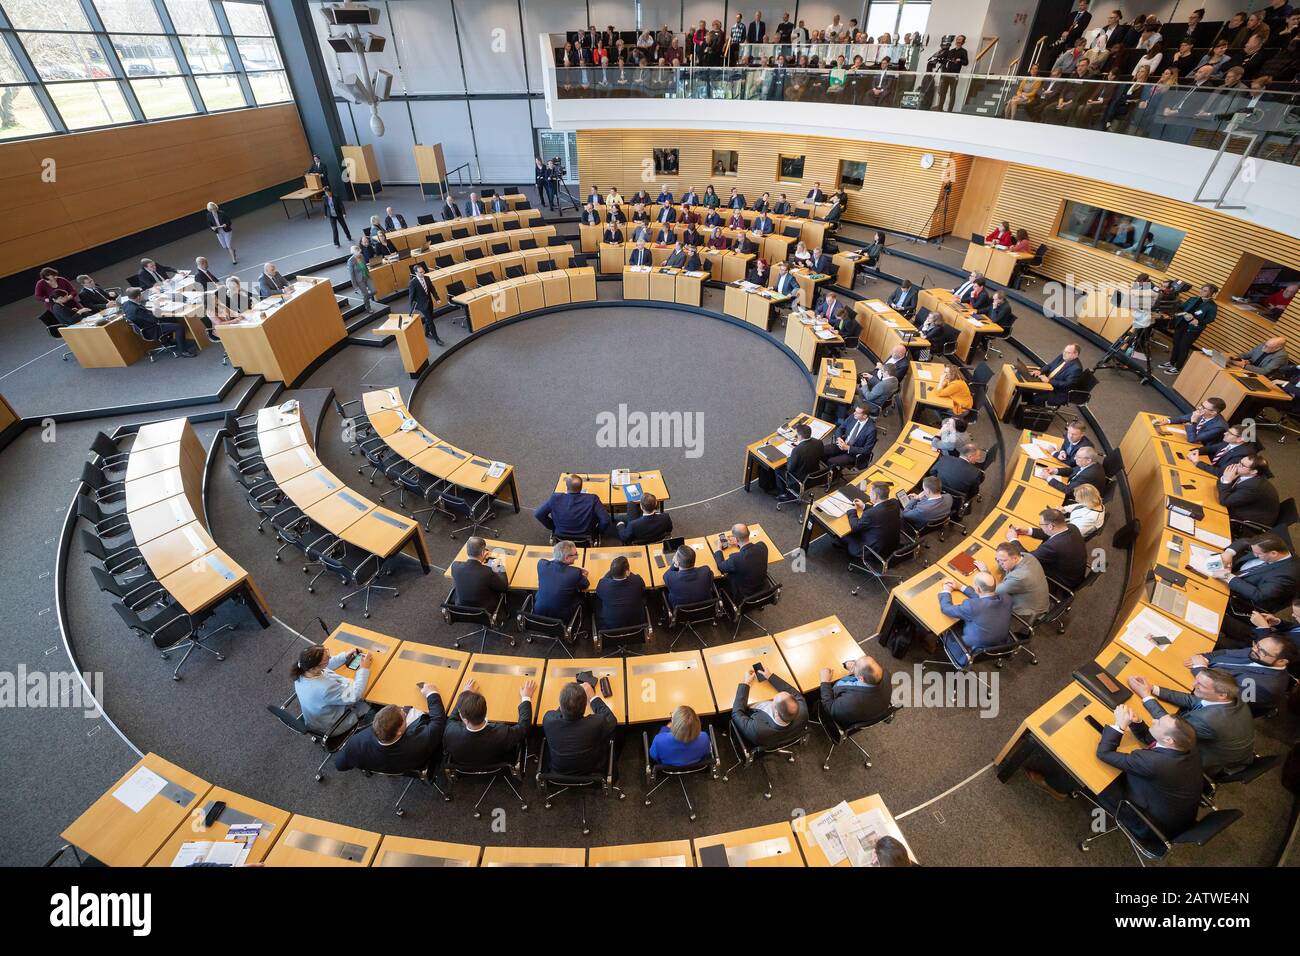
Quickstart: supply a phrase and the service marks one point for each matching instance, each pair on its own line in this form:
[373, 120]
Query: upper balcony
[1183, 142]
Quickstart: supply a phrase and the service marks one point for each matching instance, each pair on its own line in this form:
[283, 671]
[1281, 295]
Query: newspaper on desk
[1149, 631]
[836, 505]
[820, 429]
[845, 835]
[878, 307]
[1036, 451]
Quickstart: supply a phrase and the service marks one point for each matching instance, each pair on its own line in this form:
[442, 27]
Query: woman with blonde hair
[1087, 513]
[220, 224]
[954, 388]
[681, 741]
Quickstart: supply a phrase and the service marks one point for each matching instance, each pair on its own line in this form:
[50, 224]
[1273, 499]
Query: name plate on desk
[518, 670]
[366, 642]
[391, 520]
[923, 585]
[728, 656]
[424, 657]
[662, 667]
[1076, 706]
[353, 501]
[418, 859]
[798, 640]
[325, 846]
[220, 567]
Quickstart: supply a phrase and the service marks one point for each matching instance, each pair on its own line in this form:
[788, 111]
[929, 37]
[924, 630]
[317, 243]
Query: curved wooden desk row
[812, 232]
[393, 276]
[419, 235]
[325, 498]
[1157, 471]
[961, 317]
[487, 304]
[467, 273]
[106, 340]
[664, 284]
[723, 264]
[164, 508]
[775, 248]
[154, 831]
[996, 265]
[392, 421]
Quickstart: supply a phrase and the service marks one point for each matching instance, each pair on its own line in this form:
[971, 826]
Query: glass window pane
[46, 14]
[1159, 246]
[163, 97]
[220, 92]
[21, 113]
[1121, 234]
[207, 54]
[193, 16]
[269, 88]
[258, 54]
[129, 16]
[66, 56]
[83, 105]
[1079, 222]
[881, 18]
[9, 72]
[247, 19]
[145, 55]
[915, 17]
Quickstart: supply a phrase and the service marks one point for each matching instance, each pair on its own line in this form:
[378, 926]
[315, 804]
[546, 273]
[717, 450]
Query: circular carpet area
[596, 389]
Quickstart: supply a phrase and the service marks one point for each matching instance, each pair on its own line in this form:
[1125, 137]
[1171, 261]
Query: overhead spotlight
[361, 87]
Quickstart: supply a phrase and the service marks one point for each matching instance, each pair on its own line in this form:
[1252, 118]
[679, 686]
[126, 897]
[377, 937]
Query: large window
[897, 17]
[1122, 234]
[70, 65]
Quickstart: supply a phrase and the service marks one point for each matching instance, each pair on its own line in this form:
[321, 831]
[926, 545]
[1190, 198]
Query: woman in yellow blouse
[1026, 92]
[953, 387]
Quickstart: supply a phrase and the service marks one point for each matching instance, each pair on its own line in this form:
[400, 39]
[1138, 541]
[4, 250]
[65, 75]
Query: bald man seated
[769, 724]
[859, 698]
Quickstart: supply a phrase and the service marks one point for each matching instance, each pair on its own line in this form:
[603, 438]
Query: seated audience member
[801, 256]
[953, 387]
[952, 436]
[1023, 581]
[807, 457]
[559, 583]
[676, 256]
[1265, 359]
[330, 702]
[977, 296]
[1086, 512]
[393, 220]
[759, 273]
[153, 273]
[588, 217]
[229, 303]
[94, 298]
[1261, 571]
[1063, 554]
[383, 247]
[680, 742]
[1087, 470]
[939, 334]
[770, 724]
[1075, 438]
[1204, 425]
[1231, 450]
[961, 474]
[932, 504]
[573, 513]
[1260, 669]
[143, 320]
[745, 572]
[830, 307]
[903, 301]
[859, 698]
[963, 291]
[480, 579]
[876, 389]
[985, 617]
[1245, 491]
[1022, 243]
[852, 441]
[999, 235]
[820, 263]
[203, 275]
[1224, 728]
[784, 282]
[898, 361]
[693, 261]
[620, 597]
[578, 741]
[646, 522]
[49, 281]
[999, 313]
[1277, 303]
[391, 745]
[685, 582]
[612, 235]
[1062, 373]
[876, 524]
[65, 308]
[471, 740]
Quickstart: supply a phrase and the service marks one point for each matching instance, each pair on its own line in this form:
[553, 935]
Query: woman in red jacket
[999, 236]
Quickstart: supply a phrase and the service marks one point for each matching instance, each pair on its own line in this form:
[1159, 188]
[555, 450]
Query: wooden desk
[846, 264]
[636, 282]
[650, 481]
[753, 306]
[561, 673]
[348, 637]
[279, 340]
[533, 856]
[239, 809]
[667, 853]
[817, 644]
[883, 329]
[771, 845]
[172, 551]
[1167, 658]
[657, 684]
[524, 576]
[203, 583]
[412, 663]
[1240, 390]
[660, 562]
[812, 850]
[808, 283]
[593, 483]
[306, 195]
[1121, 663]
[836, 393]
[1027, 502]
[114, 344]
[500, 678]
[598, 560]
[756, 534]
[1008, 386]
[117, 835]
[727, 665]
[409, 851]
[411, 343]
[310, 842]
[808, 339]
[919, 596]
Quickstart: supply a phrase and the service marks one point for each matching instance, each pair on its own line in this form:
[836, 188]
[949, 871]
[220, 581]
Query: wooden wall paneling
[983, 186]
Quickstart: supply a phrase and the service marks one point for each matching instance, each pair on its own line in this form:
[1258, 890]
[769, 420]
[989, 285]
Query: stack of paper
[820, 429]
[836, 505]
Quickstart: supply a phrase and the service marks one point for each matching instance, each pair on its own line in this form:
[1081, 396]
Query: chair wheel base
[692, 818]
[401, 812]
[319, 777]
[767, 796]
[1083, 847]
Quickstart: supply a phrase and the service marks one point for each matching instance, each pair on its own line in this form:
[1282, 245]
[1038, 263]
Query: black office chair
[1153, 844]
[262, 495]
[411, 777]
[1078, 397]
[424, 220]
[514, 272]
[355, 568]
[1113, 466]
[561, 633]
[100, 487]
[485, 278]
[838, 733]
[331, 742]
[1261, 765]
[877, 566]
[108, 456]
[587, 539]
[52, 326]
[499, 248]
[472, 253]
[117, 561]
[621, 638]
[171, 629]
[817, 481]
[143, 592]
[423, 486]
[1063, 598]
[741, 610]
[459, 232]
[443, 262]
[747, 756]
[1026, 269]
[491, 619]
[527, 244]
[999, 654]
[581, 782]
[458, 503]
[663, 773]
[163, 342]
[684, 617]
[107, 526]
[545, 265]
[356, 428]
[483, 228]
[508, 772]
[792, 232]
[378, 456]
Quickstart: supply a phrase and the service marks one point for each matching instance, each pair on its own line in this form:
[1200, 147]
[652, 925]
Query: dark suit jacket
[640, 257]
[96, 299]
[620, 603]
[958, 475]
[138, 314]
[206, 278]
[559, 588]
[746, 570]
[807, 457]
[902, 301]
[270, 285]
[417, 749]
[612, 235]
[421, 298]
[1253, 499]
[979, 301]
[147, 281]
[580, 746]
[1072, 448]
[477, 585]
[451, 210]
[758, 729]
[1093, 475]
[690, 586]
[880, 528]
[1066, 379]
[590, 217]
[1064, 556]
[1164, 784]
[1225, 733]
[397, 221]
[1269, 587]
[1208, 432]
[494, 744]
[855, 703]
[645, 529]
[822, 264]
[1227, 455]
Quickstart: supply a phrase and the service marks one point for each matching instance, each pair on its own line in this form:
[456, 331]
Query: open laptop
[1169, 599]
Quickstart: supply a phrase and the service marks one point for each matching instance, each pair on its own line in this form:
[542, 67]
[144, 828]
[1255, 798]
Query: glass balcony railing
[1196, 116]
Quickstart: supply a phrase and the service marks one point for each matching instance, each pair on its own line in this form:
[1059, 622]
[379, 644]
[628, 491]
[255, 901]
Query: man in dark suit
[1063, 553]
[820, 262]
[392, 745]
[1075, 438]
[781, 207]
[204, 275]
[861, 697]
[143, 321]
[471, 740]
[757, 30]
[1190, 321]
[736, 199]
[573, 513]
[784, 283]
[938, 333]
[664, 237]
[999, 311]
[336, 213]
[1224, 728]
[961, 474]
[1263, 572]
[612, 234]
[480, 579]
[677, 257]
[271, 282]
[1245, 491]
[646, 522]
[977, 296]
[686, 583]
[91, 296]
[641, 233]
[560, 583]
[590, 215]
[830, 308]
[763, 224]
[1217, 458]
[640, 256]
[745, 571]
[393, 220]
[1087, 470]
[806, 457]
[1062, 373]
[1163, 780]
[1204, 425]
[420, 294]
[1260, 670]
[153, 273]
[878, 525]
[665, 198]
[851, 444]
[985, 617]
[903, 301]
[815, 194]
[577, 742]
[667, 214]
[475, 206]
[620, 596]
[769, 724]
[451, 208]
